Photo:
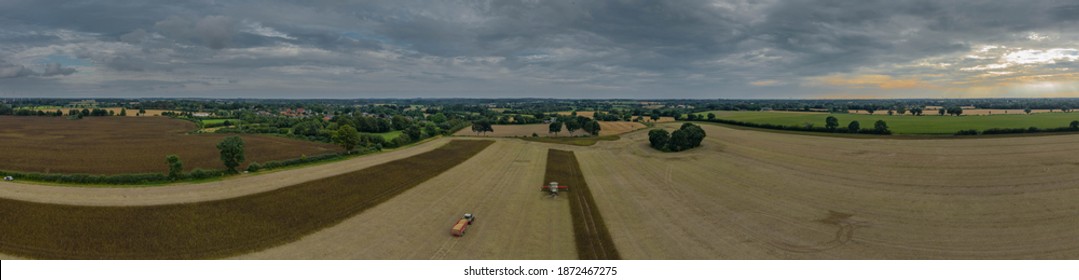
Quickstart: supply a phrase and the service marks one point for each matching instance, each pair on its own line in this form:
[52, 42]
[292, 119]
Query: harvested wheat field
[500, 185]
[616, 128]
[219, 227]
[115, 145]
[590, 233]
[760, 195]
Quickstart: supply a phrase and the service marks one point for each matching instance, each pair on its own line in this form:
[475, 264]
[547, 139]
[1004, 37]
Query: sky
[767, 49]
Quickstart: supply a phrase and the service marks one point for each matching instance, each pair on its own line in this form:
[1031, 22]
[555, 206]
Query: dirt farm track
[744, 194]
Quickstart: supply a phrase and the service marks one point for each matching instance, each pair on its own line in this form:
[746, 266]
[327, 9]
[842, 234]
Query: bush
[199, 174]
[967, 132]
[123, 179]
[254, 167]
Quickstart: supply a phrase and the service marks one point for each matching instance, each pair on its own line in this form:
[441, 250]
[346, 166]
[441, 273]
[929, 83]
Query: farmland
[127, 145]
[500, 185]
[219, 227]
[927, 124]
[590, 233]
[749, 194]
[744, 194]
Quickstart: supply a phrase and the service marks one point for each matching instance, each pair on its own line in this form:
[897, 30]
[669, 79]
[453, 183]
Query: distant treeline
[879, 128]
[1073, 126]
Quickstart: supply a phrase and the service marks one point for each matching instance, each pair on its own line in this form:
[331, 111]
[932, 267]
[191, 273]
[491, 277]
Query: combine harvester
[462, 225]
[553, 188]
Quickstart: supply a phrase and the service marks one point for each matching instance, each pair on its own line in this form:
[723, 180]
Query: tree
[871, 108]
[414, 132]
[596, 128]
[890, 112]
[232, 152]
[695, 134]
[555, 127]
[831, 122]
[881, 127]
[658, 138]
[954, 110]
[176, 167]
[142, 112]
[1074, 125]
[854, 127]
[902, 110]
[655, 116]
[85, 112]
[572, 125]
[1027, 110]
[679, 141]
[438, 118]
[123, 112]
[347, 137]
[711, 116]
[482, 126]
[941, 111]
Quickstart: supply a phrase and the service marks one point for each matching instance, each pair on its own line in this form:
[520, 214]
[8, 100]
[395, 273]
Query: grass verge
[219, 228]
[589, 232]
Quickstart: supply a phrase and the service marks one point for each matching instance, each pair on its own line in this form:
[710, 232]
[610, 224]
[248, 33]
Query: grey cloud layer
[502, 48]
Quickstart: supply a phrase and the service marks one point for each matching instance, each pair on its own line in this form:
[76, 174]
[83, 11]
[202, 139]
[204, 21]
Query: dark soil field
[590, 233]
[115, 145]
[217, 228]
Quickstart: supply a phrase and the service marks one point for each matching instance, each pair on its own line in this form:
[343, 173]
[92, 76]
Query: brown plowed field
[215, 228]
[500, 186]
[759, 195]
[115, 145]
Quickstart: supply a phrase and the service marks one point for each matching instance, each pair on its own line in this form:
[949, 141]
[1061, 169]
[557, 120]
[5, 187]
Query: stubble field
[758, 195]
[115, 145]
[744, 194]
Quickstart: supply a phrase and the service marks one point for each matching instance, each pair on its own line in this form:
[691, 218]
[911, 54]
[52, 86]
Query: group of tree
[695, 117]
[687, 137]
[574, 123]
[1072, 127]
[482, 126]
[75, 113]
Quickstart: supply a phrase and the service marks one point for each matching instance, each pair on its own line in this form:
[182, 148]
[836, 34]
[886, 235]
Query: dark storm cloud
[8, 70]
[633, 48]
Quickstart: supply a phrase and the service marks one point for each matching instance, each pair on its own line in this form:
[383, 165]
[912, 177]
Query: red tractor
[462, 225]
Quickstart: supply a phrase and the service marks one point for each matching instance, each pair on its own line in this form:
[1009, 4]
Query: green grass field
[389, 136]
[907, 124]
